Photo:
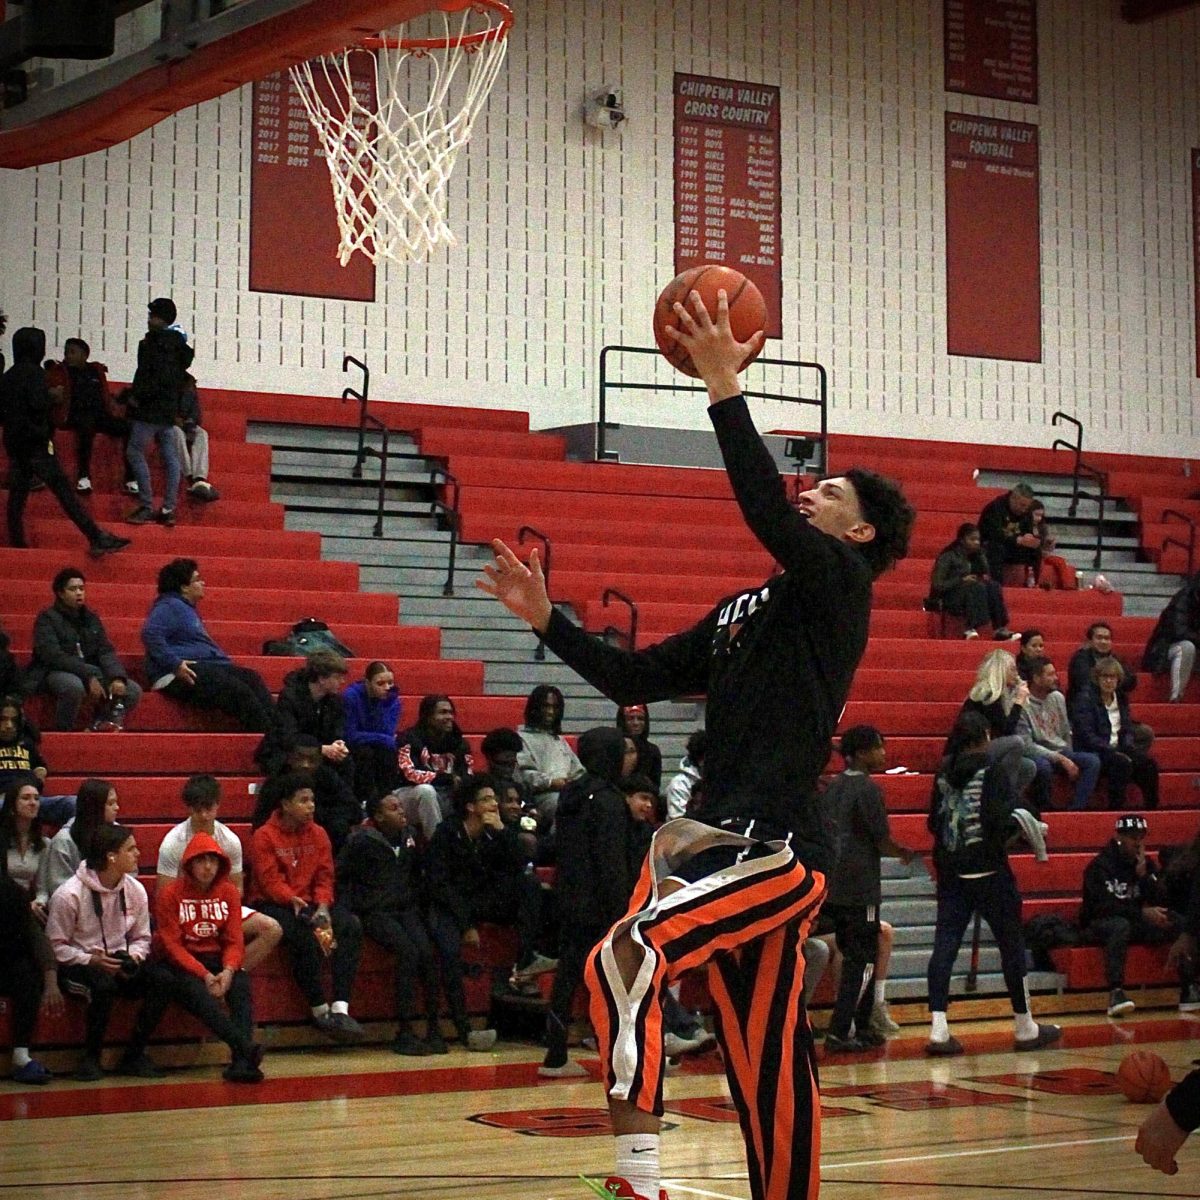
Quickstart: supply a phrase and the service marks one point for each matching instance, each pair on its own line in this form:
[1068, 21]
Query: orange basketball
[1144, 1077]
[747, 309]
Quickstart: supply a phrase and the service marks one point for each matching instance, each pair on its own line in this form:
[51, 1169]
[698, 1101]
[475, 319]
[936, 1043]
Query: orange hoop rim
[469, 41]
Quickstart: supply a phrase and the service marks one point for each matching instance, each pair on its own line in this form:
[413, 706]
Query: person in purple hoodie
[372, 711]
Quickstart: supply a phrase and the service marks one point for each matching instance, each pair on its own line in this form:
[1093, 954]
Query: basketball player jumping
[736, 888]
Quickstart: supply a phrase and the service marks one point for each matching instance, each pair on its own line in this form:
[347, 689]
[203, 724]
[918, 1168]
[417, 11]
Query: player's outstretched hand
[520, 588]
[1159, 1140]
[714, 351]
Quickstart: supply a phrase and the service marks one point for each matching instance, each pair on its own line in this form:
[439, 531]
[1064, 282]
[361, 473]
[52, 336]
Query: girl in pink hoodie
[99, 928]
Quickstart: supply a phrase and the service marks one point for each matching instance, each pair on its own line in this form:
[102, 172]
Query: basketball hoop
[390, 158]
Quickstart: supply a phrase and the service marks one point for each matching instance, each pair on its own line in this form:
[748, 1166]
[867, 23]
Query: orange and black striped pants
[745, 922]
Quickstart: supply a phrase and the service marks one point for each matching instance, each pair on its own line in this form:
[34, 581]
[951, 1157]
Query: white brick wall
[565, 231]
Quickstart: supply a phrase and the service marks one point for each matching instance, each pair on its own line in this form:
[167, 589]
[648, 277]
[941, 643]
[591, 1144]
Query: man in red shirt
[292, 872]
[198, 916]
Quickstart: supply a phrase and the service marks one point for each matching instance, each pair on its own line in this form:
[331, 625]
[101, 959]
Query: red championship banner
[1196, 250]
[993, 246]
[991, 48]
[728, 182]
[293, 227]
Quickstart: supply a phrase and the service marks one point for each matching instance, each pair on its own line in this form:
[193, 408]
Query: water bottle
[116, 715]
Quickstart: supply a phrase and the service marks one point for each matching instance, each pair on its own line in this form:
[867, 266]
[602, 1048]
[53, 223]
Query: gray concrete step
[320, 438]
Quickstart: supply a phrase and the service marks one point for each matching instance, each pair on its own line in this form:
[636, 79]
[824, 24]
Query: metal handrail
[602, 425]
[382, 454]
[450, 511]
[1174, 541]
[349, 393]
[1084, 468]
[631, 636]
[540, 652]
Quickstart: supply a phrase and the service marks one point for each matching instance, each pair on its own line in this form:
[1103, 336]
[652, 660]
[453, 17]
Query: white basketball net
[390, 166]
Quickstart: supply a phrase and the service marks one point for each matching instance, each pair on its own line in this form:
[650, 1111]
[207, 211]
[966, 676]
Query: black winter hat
[163, 307]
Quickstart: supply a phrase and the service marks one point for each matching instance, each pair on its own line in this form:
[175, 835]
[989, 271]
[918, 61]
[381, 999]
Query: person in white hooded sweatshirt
[99, 928]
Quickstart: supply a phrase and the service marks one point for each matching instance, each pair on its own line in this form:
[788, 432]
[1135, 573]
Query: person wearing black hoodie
[1172, 645]
[25, 403]
[1124, 904]
[634, 721]
[600, 853]
[972, 815]
[310, 703]
[378, 879]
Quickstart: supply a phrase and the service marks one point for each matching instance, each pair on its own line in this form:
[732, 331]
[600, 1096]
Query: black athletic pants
[21, 981]
[574, 947]
[403, 932]
[86, 426]
[1121, 767]
[1117, 934]
[978, 603]
[152, 984]
[306, 955]
[238, 691]
[857, 930]
[22, 474]
[235, 1027]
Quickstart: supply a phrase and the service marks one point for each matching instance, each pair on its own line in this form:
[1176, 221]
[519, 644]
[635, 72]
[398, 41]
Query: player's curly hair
[884, 506]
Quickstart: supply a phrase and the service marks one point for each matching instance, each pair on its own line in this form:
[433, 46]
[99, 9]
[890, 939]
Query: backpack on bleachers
[305, 637]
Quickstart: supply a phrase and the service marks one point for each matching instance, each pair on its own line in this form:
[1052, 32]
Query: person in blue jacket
[372, 713]
[183, 661]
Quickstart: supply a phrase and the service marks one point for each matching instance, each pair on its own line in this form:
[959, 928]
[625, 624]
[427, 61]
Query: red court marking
[1071, 1081]
[87, 1102]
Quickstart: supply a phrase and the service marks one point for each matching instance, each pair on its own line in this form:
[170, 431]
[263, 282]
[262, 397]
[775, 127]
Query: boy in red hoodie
[199, 938]
[292, 873]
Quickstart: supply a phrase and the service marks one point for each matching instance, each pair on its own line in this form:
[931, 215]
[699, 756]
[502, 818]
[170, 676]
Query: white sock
[320, 1010]
[637, 1162]
[20, 1055]
[880, 985]
[341, 1006]
[939, 1027]
[1026, 1026]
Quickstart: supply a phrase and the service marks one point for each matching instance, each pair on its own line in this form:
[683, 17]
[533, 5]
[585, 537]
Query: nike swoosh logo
[642, 1149]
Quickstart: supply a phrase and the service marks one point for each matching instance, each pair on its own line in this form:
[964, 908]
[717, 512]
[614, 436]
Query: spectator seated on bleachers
[500, 748]
[1047, 730]
[973, 815]
[600, 850]
[373, 709]
[74, 660]
[191, 444]
[1097, 645]
[379, 880]
[90, 407]
[1055, 572]
[546, 763]
[477, 871]
[520, 816]
[292, 881]
[998, 695]
[1172, 644]
[198, 939]
[99, 926]
[633, 720]
[21, 758]
[1124, 905]
[10, 673]
[29, 980]
[310, 703]
[202, 799]
[23, 846]
[1007, 533]
[1032, 647]
[1103, 725]
[26, 402]
[433, 758]
[963, 584]
[684, 783]
[338, 809]
[183, 661]
[96, 805]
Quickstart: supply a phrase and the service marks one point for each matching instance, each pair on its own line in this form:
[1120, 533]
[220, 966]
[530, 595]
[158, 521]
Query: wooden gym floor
[364, 1123]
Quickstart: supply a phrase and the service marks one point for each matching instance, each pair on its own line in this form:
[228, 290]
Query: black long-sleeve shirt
[776, 661]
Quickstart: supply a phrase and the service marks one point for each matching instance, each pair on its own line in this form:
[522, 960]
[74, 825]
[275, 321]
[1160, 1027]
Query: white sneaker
[674, 1045]
[881, 1021]
[971, 633]
[132, 488]
[84, 485]
[569, 1070]
[481, 1039]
